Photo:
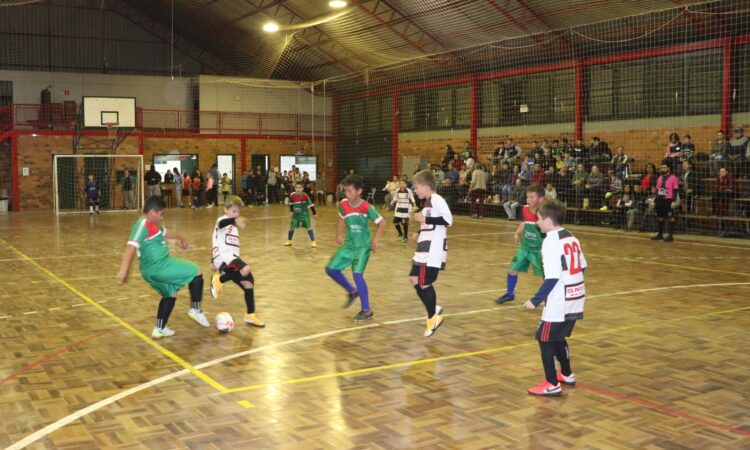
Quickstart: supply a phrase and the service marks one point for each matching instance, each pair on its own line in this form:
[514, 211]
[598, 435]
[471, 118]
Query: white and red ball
[224, 322]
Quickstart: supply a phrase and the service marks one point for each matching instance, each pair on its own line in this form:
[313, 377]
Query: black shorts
[664, 207]
[426, 275]
[401, 220]
[235, 265]
[554, 331]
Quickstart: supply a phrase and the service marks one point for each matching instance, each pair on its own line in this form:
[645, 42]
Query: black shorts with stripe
[554, 331]
[425, 275]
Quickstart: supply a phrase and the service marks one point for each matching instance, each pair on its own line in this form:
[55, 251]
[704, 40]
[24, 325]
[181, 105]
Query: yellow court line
[458, 355]
[210, 381]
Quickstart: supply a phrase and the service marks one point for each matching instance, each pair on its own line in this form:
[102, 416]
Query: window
[741, 82]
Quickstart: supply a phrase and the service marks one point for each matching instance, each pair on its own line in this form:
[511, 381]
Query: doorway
[225, 164]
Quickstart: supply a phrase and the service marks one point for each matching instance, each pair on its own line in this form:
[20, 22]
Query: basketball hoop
[111, 130]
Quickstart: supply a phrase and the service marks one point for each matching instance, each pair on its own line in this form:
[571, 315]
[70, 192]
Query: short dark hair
[538, 189]
[299, 183]
[353, 180]
[596, 138]
[554, 210]
[154, 203]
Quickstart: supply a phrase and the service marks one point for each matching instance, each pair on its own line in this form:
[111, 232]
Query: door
[226, 166]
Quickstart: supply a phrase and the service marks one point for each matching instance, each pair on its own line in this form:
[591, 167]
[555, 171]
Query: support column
[726, 91]
[474, 116]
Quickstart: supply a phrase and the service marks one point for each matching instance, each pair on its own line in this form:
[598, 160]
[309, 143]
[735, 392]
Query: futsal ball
[224, 322]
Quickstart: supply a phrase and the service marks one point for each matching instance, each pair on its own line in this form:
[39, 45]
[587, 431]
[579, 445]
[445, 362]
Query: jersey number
[574, 252]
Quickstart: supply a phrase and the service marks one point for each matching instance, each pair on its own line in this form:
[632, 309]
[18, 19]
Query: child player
[432, 246]
[165, 273]
[529, 240]
[404, 201]
[354, 215]
[299, 204]
[565, 293]
[225, 257]
[92, 194]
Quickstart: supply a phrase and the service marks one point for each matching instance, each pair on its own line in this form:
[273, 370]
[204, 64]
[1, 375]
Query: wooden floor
[661, 357]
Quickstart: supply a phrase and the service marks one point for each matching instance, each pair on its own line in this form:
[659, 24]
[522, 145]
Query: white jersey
[432, 243]
[563, 260]
[403, 201]
[226, 242]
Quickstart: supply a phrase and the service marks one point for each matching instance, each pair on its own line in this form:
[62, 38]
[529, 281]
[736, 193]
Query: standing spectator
[213, 194]
[186, 186]
[478, 191]
[226, 187]
[623, 207]
[599, 151]
[245, 186]
[128, 184]
[177, 180]
[648, 179]
[690, 185]
[667, 187]
[197, 189]
[726, 189]
[450, 155]
[169, 177]
[153, 179]
[673, 153]
[579, 183]
[718, 153]
[260, 186]
[595, 187]
[272, 184]
[737, 153]
[550, 193]
[284, 185]
[688, 148]
[517, 199]
[210, 184]
[390, 189]
[621, 163]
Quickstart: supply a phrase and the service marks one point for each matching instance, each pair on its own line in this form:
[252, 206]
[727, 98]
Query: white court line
[54, 426]
[4, 317]
[52, 257]
[55, 308]
[633, 292]
[27, 313]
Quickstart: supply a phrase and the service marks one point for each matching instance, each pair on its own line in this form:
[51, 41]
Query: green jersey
[148, 239]
[357, 222]
[300, 205]
[532, 236]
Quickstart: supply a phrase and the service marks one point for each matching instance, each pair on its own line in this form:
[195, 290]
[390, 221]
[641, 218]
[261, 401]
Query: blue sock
[359, 280]
[512, 280]
[290, 235]
[339, 278]
[312, 234]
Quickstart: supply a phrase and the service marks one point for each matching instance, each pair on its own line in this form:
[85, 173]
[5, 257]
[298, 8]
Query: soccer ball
[224, 322]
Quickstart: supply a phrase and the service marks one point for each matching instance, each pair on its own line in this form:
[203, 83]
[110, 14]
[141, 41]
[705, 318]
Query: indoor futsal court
[377, 224]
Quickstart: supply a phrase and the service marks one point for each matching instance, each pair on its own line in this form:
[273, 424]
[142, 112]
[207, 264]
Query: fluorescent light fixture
[337, 4]
[271, 27]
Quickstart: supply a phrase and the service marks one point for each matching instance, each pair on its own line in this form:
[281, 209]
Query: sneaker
[608, 195]
[288, 244]
[658, 237]
[546, 390]
[158, 333]
[438, 310]
[363, 315]
[669, 238]
[505, 298]
[350, 298]
[252, 319]
[400, 239]
[199, 317]
[313, 244]
[433, 324]
[215, 286]
[604, 209]
[570, 380]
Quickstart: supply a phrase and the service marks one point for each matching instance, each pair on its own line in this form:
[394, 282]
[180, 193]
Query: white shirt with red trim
[226, 243]
[432, 243]
[563, 260]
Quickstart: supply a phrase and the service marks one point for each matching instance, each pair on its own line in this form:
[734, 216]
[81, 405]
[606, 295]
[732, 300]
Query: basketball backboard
[100, 111]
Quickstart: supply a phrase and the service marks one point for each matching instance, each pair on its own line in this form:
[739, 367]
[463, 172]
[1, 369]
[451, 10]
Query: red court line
[51, 356]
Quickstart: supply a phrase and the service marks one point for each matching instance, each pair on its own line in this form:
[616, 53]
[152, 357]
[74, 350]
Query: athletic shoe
[215, 286]
[199, 317]
[669, 238]
[608, 195]
[158, 333]
[546, 389]
[363, 315]
[313, 244]
[252, 319]
[433, 324]
[400, 239]
[505, 298]
[604, 209]
[570, 380]
[288, 244]
[438, 310]
[350, 298]
[658, 237]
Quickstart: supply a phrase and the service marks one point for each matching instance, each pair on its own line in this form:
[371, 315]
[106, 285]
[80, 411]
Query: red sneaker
[546, 389]
[570, 380]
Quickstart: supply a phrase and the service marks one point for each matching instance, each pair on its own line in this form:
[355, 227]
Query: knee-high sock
[340, 278]
[660, 224]
[512, 281]
[311, 233]
[429, 299]
[398, 228]
[250, 300]
[196, 292]
[166, 305]
[364, 295]
[563, 357]
[548, 361]
[670, 228]
[290, 235]
[227, 276]
[406, 229]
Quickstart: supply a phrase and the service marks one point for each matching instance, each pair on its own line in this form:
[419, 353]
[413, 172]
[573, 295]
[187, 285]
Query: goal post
[116, 191]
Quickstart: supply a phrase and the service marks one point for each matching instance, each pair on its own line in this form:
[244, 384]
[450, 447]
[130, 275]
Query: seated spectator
[495, 179]
[447, 190]
[648, 220]
[621, 163]
[570, 162]
[737, 153]
[690, 185]
[477, 192]
[688, 148]
[673, 153]
[463, 184]
[468, 151]
[560, 179]
[565, 146]
[726, 190]
[615, 184]
[639, 205]
[556, 150]
[599, 151]
[525, 173]
[390, 189]
[449, 157]
[518, 199]
[538, 175]
[579, 183]
[580, 152]
[546, 160]
[649, 177]
[457, 162]
[718, 153]
[511, 153]
[595, 187]
[536, 151]
[623, 206]
[550, 192]
[439, 173]
[452, 174]
[509, 183]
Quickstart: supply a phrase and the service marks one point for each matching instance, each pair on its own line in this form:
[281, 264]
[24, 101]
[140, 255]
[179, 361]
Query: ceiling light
[271, 27]
[337, 4]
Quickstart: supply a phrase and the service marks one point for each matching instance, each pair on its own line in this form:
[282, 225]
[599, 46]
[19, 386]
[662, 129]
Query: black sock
[406, 229]
[548, 361]
[670, 228]
[563, 357]
[398, 228]
[660, 224]
[429, 299]
[250, 300]
[196, 291]
[166, 305]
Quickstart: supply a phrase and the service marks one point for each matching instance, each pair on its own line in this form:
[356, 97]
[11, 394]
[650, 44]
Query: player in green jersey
[300, 204]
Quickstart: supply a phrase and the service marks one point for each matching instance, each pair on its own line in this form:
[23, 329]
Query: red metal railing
[65, 117]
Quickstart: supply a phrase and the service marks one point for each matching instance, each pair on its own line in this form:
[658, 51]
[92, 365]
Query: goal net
[117, 179]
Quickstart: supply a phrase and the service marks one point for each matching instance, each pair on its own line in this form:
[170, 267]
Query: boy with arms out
[300, 204]
[403, 199]
[354, 216]
[165, 273]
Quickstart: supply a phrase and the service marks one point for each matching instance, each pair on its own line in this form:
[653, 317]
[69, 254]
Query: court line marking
[169, 354]
[70, 418]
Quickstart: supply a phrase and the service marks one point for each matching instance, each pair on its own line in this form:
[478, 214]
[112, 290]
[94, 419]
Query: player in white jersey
[225, 257]
[432, 246]
[404, 201]
[565, 294]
